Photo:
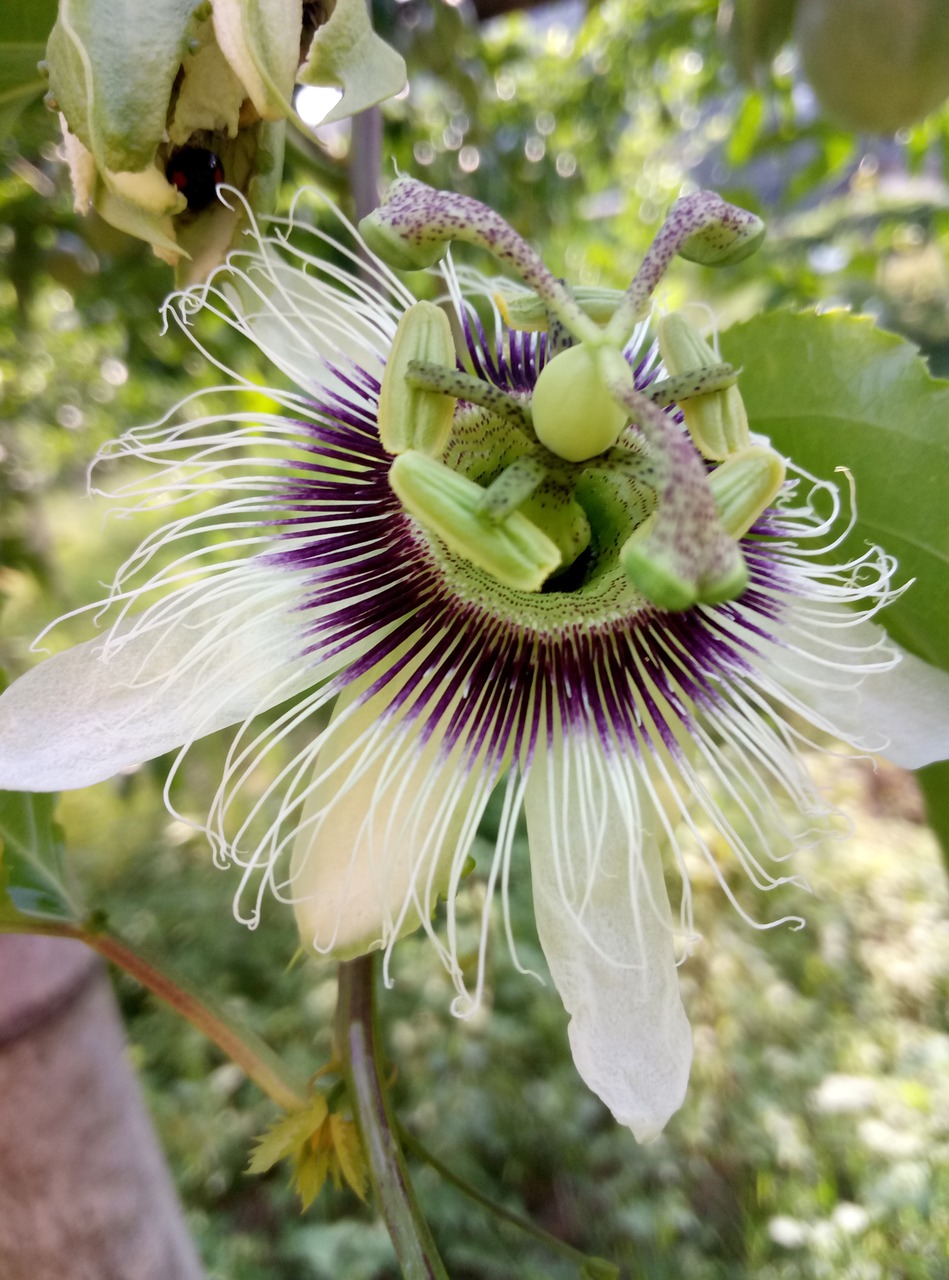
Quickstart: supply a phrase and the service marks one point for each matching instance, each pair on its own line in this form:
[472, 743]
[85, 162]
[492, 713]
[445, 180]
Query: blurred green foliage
[815, 1140]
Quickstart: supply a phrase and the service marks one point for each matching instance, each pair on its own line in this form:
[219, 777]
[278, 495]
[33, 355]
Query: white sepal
[605, 926]
[261, 41]
[378, 833]
[216, 656]
[847, 676]
[347, 54]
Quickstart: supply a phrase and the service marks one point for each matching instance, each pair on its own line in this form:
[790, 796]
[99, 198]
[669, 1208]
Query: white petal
[261, 41]
[901, 712]
[306, 326]
[605, 926]
[910, 707]
[379, 833]
[155, 683]
[347, 53]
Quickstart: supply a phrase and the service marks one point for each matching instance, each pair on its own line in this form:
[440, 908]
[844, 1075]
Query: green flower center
[584, 475]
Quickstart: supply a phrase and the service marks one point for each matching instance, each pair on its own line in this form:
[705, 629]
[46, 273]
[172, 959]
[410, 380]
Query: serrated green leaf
[287, 1135]
[349, 1154]
[33, 865]
[310, 1174]
[834, 391]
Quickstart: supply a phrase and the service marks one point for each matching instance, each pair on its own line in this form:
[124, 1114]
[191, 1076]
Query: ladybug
[196, 172]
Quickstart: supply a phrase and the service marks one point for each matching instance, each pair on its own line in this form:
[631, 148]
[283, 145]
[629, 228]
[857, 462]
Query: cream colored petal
[261, 41]
[347, 54]
[378, 835]
[909, 706]
[107, 705]
[604, 923]
[901, 713]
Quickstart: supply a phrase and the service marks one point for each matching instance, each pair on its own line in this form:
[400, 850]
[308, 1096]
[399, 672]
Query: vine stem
[255, 1058]
[359, 1048]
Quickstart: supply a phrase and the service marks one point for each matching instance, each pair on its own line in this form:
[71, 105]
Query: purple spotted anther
[476, 549]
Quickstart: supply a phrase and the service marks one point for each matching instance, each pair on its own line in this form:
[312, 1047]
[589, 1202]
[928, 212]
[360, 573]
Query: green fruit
[876, 65]
[754, 31]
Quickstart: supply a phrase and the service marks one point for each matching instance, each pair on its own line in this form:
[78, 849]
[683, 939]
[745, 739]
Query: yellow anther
[716, 420]
[513, 550]
[413, 417]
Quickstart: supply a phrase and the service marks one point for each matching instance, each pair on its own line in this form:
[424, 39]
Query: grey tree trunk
[84, 1190]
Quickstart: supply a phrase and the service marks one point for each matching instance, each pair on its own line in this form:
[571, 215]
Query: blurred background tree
[815, 1141]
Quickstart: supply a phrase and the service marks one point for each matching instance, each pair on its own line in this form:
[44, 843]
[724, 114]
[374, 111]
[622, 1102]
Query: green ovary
[575, 415]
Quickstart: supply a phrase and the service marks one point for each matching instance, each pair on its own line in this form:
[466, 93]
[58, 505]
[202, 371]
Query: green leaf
[292, 1131]
[934, 783]
[32, 864]
[599, 1269]
[834, 391]
[26, 26]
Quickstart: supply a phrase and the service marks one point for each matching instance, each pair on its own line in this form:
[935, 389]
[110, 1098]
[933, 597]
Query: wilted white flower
[158, 110]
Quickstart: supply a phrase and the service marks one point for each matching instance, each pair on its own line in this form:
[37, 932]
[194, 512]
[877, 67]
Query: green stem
[359, 1049]
[524, 1224]
[255, 1058]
